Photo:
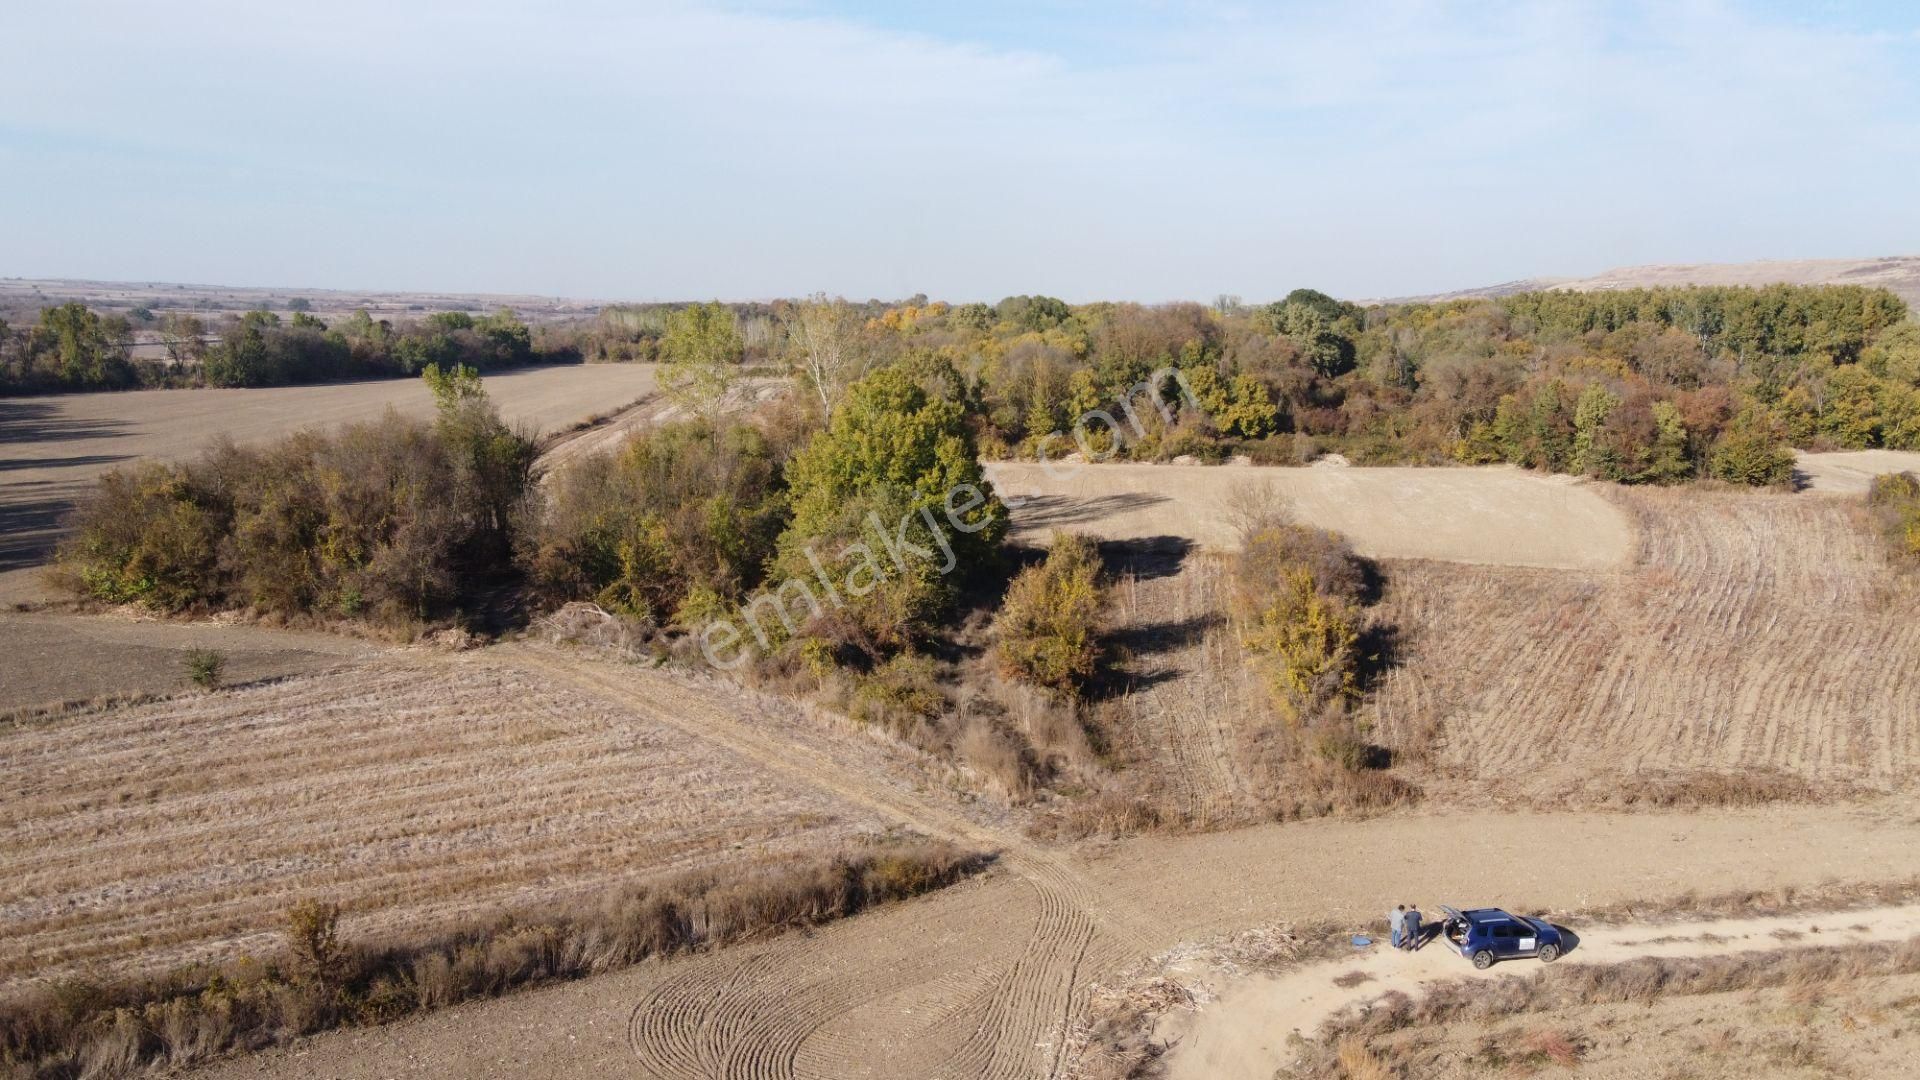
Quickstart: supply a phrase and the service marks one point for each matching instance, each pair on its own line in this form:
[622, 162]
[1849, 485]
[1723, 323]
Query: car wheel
[1549, 953]
[1483, 959]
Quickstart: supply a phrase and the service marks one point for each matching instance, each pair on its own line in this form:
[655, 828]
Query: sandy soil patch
[1849, 472]
[1244, 1034]
[1502, 516]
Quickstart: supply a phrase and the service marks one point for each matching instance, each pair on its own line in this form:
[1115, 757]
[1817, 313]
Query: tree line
[1637, 386]
[71, 347]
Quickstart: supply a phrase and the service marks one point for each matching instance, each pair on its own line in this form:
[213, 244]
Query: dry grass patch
[1788, 1008]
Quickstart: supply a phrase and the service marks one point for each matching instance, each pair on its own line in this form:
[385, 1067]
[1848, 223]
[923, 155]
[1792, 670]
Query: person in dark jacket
[1414, 934]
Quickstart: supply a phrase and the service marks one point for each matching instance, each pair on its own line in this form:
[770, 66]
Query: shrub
[688, 511]
[313, 940]
[900, 694]
[387, 520]
[1295, 596]
[1894, 500]
[1047, 632]
[1751, 452]
[204, 667]
[149, 536]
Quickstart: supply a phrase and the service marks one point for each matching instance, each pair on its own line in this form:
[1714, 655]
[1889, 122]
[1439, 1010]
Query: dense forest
[1643, 386]
[1638, 386]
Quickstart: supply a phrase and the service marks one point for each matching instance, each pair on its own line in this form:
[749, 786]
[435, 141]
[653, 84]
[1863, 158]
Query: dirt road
[985, 979]
[1497, 515]
[1244, 1034]
[1849, 472]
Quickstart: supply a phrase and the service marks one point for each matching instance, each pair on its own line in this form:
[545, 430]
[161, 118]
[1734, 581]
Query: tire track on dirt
[734, 1023]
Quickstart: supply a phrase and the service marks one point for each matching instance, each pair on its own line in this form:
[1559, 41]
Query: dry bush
[1048, 630]
[1111, 811]
[1644, 980]
[1555, 1046]
[118, 1029]
[1758, 903]
[999, 757]
[1250, 507]
[1894, 500]
[1703, 790]
[1357, 1062]
[680, 509]
[592, 627]
[389, 521]
[902, 695]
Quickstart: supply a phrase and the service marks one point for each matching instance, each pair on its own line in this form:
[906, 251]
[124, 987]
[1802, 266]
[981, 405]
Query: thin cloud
[1146, 150]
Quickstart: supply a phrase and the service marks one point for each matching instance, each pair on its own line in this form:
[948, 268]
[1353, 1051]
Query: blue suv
[1485, 935]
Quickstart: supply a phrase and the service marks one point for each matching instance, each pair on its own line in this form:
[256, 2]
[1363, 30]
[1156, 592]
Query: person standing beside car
[1413, 932]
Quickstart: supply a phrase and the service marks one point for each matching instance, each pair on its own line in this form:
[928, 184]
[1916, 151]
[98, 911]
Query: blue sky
[1150, 151]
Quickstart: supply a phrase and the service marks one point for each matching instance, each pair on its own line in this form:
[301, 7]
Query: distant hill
[1899, 274]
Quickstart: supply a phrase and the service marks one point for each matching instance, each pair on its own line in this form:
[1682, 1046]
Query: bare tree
[828, 335]
[184, 337]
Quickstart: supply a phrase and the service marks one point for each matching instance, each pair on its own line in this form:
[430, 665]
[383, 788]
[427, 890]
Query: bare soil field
[26, 296]
[987, 979]
[1244, 1032]
[53, 447]
[1502, 515]
[1849, 472]
[1755, 634]
[1190, 699]
[410, 788]
[1898, 274]
[54, 658]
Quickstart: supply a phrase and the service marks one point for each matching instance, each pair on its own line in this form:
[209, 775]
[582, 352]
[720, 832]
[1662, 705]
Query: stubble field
[1755, 635]
[411, 788]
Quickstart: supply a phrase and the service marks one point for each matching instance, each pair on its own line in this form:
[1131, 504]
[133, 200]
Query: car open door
[1453, 930]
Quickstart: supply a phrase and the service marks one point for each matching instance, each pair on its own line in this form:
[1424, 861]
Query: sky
[1122, 150]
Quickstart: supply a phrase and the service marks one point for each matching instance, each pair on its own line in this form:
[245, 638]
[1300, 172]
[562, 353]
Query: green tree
[1667, 461]
[892, 485]
[1592, 456]
[244, 356]
[494, 462]
[701, 351]
[83, 349]
[1751, 452]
